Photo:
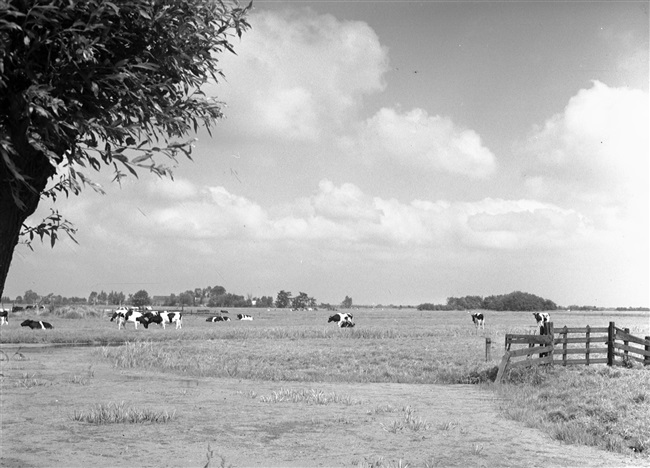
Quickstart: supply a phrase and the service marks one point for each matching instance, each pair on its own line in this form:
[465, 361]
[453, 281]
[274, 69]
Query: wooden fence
[569, 346]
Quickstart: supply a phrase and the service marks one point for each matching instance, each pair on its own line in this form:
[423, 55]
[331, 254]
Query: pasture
[289, 389]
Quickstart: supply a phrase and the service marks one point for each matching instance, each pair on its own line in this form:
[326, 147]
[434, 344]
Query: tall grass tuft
[410, 421]
[311, 397]
[115, 413]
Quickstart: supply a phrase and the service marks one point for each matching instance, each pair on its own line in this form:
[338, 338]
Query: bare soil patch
[41, 392]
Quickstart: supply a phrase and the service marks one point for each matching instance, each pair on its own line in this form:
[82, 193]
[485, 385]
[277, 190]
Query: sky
[394, 152]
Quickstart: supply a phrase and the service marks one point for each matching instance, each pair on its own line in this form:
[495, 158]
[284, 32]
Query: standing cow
[4, 316]
[124, 315]
[542, 319]
[344, 320]
[479, 320]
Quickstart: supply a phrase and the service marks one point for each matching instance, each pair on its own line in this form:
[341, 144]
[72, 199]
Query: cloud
[298, 74]
[343, 217]
[415, 139]
[520, 224]
[594, 151]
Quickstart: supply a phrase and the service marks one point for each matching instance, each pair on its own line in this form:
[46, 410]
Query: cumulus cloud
[519, 224]
[595, 151]
[298, 74]
[416, 139]
[344, 215]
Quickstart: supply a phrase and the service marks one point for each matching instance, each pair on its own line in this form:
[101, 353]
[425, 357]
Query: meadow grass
[598, 406]
[409, 360]
[117, 413]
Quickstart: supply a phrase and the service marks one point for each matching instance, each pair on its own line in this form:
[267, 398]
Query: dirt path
[460, 424]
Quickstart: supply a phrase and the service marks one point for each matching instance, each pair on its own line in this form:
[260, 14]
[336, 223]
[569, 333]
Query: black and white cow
[479, 320]
[244, 317]
[124, 315]
[162, 318]
[344, 320]
[36, 325]
[218, 318]
[4, 316]
[542, 319]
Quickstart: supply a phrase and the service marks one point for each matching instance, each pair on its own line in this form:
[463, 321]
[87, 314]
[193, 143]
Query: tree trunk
[36, 169]
[11, 221]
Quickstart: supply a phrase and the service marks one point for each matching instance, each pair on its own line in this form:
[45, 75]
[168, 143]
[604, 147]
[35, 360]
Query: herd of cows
[147, 317]
[542, 319]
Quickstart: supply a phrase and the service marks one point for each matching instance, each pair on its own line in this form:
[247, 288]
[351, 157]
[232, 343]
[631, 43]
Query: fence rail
[556, 346]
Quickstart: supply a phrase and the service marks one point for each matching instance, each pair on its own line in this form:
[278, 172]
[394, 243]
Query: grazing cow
[4, 316]
[36, 325]
[479, 320]
[542, 319]
[344, 320]
[218, 318]
[17, 308]
[162, 318]
[244, 317]
[124, 315]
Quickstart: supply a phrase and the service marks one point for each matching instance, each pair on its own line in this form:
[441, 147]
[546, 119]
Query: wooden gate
[605, 345]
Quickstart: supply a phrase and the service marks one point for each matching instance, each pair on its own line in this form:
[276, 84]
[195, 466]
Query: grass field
[605, 407]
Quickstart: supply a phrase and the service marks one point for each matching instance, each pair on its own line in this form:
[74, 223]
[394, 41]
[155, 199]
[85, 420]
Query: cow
[17, 308]
[344, 320]
[542, 319]
[244, 317]
[124, 315]
[479, 320]
[224, 311]
[218, 318]
[36, 325]
[4, 316]
[162, 318]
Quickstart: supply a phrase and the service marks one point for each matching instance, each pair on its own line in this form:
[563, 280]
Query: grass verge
[600, 406]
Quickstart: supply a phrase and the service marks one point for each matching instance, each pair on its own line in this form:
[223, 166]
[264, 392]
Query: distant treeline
[618, 309]
[514, 301]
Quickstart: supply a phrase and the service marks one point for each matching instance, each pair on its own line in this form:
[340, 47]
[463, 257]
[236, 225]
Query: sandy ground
[41, 391]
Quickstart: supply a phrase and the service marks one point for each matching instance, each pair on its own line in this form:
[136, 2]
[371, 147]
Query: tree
[347, 303]
[103, 297]
[186, 298]
[91, 83]
[31, 297]
[116, 298]
[283, 299]
[300, 301]
[92, 299]
[141, 298]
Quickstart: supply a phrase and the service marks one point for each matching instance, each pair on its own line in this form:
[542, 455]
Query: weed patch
[310, 397]
[116, 413]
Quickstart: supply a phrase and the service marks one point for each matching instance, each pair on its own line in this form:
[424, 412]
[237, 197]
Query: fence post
[625, 342]
[550, 331]
[611, 334]
[502, 367]
[565, 333]
[488, 345]
[587, 344]
[646, 358]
